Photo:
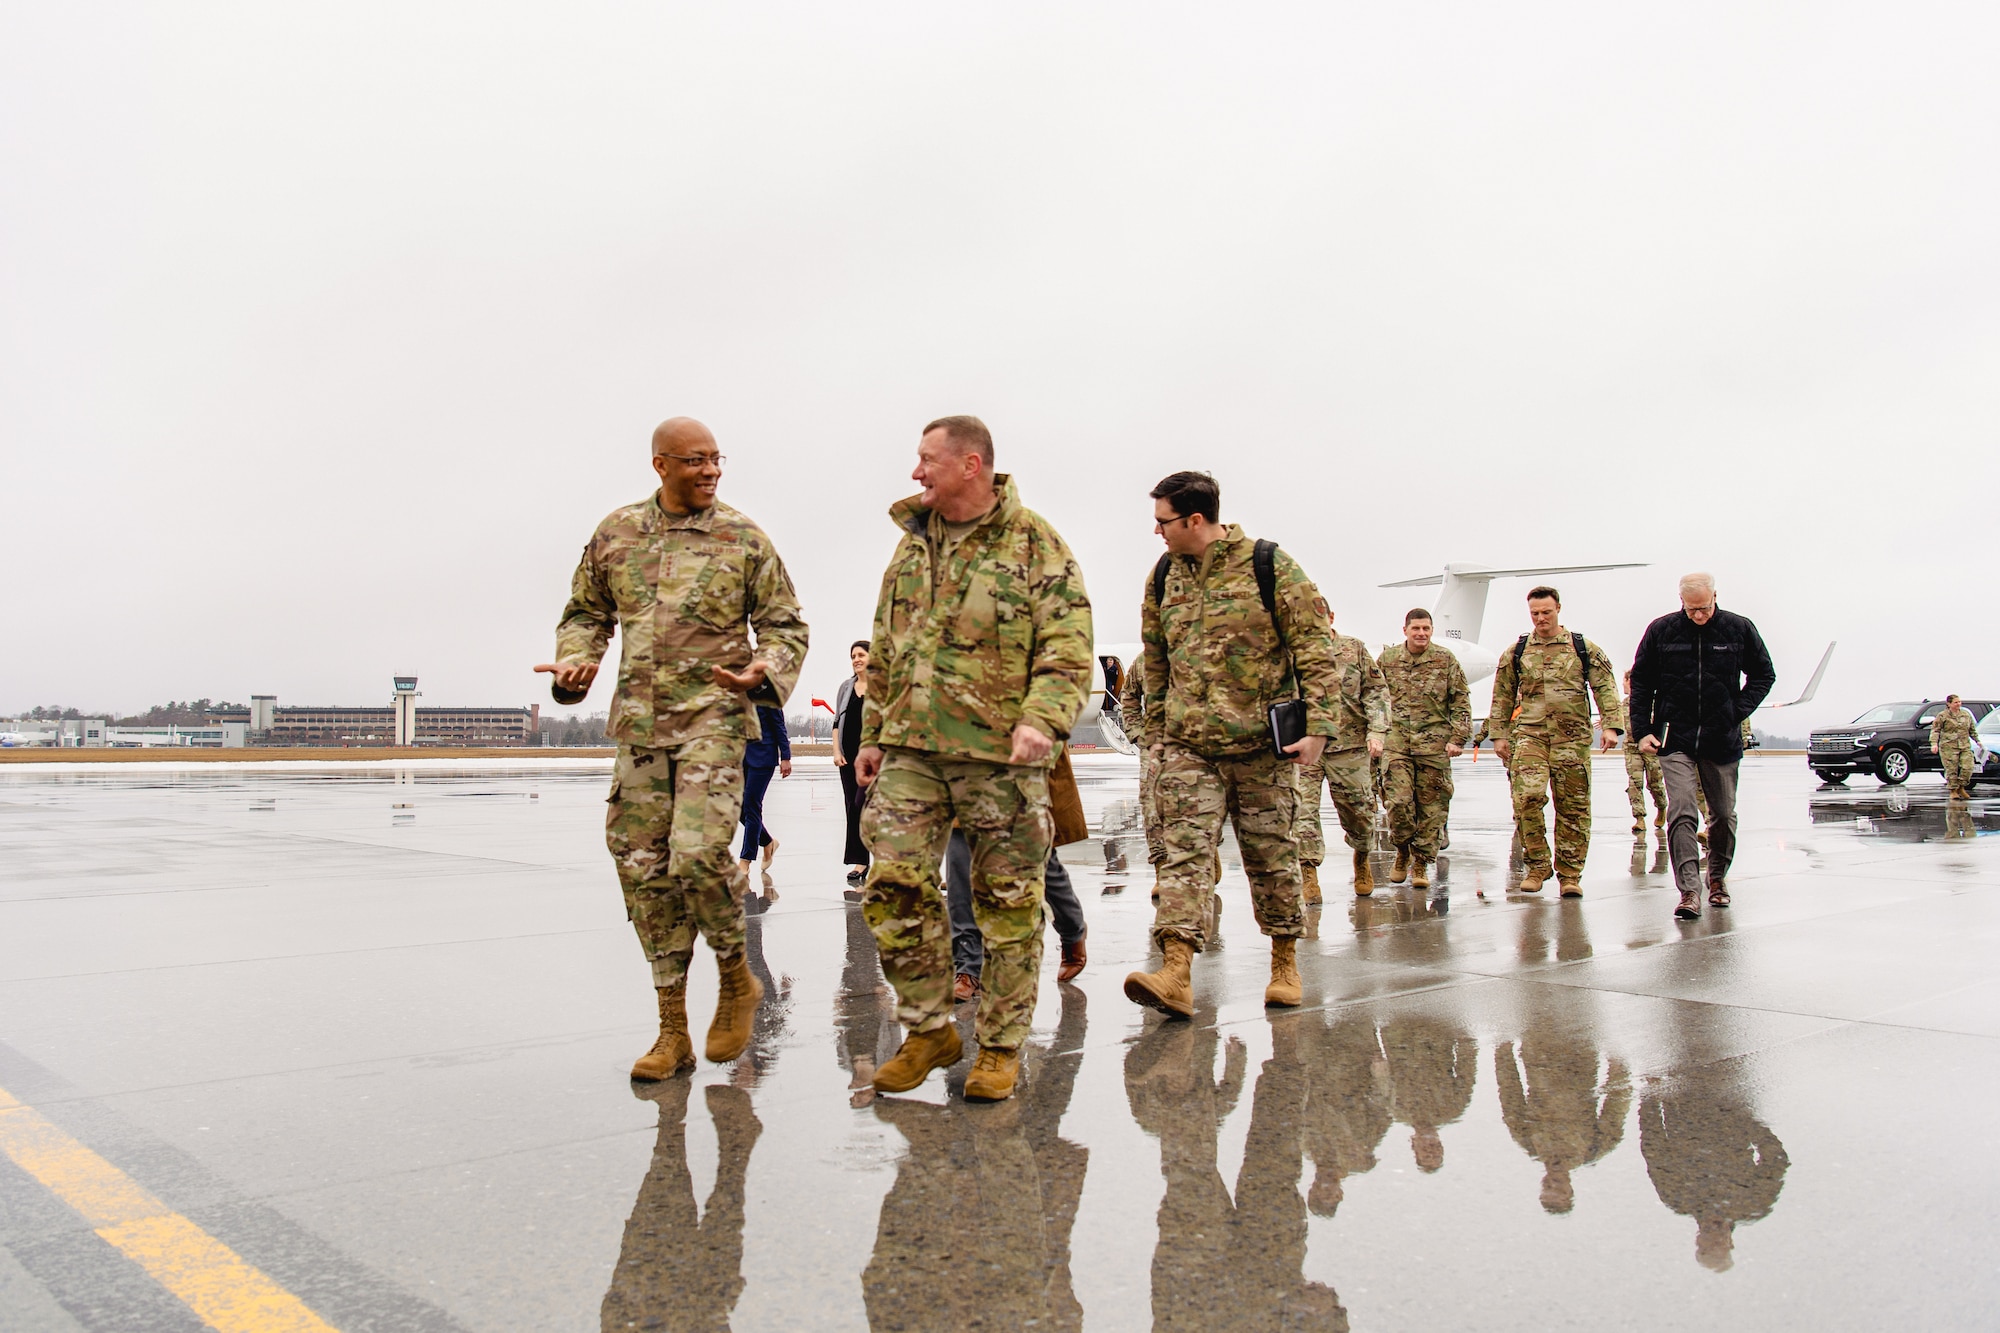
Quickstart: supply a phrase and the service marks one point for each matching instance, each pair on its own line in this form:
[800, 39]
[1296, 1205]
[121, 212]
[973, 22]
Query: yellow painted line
[209, 1277]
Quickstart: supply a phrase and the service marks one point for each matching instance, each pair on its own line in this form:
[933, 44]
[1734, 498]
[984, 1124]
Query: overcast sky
[328, 332]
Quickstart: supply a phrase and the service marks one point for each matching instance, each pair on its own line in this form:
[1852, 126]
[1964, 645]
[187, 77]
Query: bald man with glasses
[710, 628]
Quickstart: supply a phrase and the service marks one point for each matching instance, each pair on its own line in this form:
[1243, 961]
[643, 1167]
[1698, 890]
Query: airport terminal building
[399, 722]
[316, 725]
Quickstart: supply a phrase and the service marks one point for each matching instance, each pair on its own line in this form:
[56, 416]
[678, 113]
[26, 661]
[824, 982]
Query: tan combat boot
[673, 1052]
[920, 1053]
[1364, 877]
[1532, 881]
[1285, 990]
[1420, 873]
[1401, 870]
[993, 1074]
[1169, 990]
[1309, 876]
[1570, 888]
[735, 1006]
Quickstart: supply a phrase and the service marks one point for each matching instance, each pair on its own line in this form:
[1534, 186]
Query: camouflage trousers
[1259, 794]
[1642, 775]
[1958, 767]
[1351, 779]
[1541, 767]
[1149, 806]
[1003, 810]
[1417, 789]
[670, 825]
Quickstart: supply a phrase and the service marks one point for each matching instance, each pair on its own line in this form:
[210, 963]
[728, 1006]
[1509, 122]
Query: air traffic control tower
[406, 710]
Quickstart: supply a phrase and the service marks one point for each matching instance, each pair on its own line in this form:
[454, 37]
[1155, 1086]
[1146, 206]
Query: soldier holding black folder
[1239, 680]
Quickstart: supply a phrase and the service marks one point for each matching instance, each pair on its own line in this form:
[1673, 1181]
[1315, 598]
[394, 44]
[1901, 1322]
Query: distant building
[70, 733]
[399, 722]
[337, 726]
[219, 736]
[96, 733]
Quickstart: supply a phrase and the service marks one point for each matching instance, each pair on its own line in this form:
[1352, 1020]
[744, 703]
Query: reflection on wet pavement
[679, 1267]
[406, 1036]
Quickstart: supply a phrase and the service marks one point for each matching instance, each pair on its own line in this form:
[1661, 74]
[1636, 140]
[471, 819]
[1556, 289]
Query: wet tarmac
[366, 1029]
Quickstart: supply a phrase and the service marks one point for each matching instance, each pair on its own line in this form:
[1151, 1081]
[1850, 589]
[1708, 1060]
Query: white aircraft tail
[1461, 601]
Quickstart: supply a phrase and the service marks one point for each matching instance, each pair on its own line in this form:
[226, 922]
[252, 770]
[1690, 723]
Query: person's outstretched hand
[573, 676]
[742, 682]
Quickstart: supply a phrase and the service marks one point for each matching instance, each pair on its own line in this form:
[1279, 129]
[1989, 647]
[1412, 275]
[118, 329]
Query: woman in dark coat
[847, 744]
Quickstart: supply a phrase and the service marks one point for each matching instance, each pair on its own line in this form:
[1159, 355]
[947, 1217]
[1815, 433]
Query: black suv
[1891, 741]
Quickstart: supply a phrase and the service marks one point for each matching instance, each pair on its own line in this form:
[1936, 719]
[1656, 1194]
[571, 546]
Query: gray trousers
[968, 948]
[1718, 783]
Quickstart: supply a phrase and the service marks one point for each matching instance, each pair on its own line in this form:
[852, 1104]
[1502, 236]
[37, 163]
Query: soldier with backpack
[1550, 677]
[1231, 627]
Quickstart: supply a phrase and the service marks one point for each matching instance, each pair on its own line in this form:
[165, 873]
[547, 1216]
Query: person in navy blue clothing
[769, 753]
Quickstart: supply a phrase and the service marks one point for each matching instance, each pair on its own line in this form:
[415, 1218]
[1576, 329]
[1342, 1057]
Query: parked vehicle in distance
[1989, 736]
[1891, 741]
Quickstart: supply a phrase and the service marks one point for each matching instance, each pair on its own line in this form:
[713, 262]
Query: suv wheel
[1893, 765]
[1829, 777]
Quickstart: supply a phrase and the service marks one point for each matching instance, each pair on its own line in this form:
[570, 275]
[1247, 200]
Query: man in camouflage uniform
[686, 581]
[1361, 721]
[1546, 746]
[1215, 661]
[1642, 774]
[979, 666]
[1951, 737]
[1433, 708]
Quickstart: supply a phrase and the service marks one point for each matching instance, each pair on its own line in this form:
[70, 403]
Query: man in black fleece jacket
[1698, 673]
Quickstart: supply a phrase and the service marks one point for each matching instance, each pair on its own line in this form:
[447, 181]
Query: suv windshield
[1882, 713]
[1990, 724]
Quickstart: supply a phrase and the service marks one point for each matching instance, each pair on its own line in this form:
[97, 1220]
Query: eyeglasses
[700, 460]
[1162, 524]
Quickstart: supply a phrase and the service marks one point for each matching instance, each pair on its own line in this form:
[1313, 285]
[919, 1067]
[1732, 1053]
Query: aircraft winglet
[1812, 686]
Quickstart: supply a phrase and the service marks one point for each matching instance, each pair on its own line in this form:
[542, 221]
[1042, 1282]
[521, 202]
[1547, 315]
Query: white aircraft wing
[1490, 574]
[1812, 686]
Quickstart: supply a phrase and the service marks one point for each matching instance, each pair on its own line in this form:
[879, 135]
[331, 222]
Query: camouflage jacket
[1214, 664]
[1002, 635]
[1951, 731]
[1432, 700]
[1553, 696]
[1362, 712]
[684, 591]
